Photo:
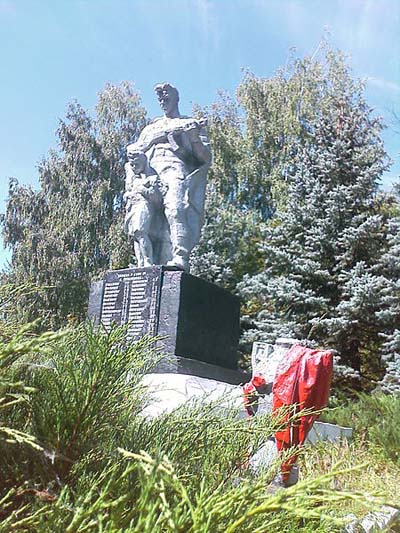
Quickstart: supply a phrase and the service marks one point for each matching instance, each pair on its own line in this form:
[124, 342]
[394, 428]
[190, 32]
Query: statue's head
[138, 161]
[168, 97]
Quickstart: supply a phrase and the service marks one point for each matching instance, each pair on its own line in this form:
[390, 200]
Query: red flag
[302, 380]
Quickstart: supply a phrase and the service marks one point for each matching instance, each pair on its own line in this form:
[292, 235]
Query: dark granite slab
[194, 318]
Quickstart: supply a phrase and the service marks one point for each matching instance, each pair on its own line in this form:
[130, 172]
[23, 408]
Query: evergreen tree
[228, 248]
[321, 249]
[390, 312]
[228, 245]
[71, 229]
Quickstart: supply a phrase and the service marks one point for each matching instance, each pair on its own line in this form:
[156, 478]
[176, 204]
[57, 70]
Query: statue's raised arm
[178, 150]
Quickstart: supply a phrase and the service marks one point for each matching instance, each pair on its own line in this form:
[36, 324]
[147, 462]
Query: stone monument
[165, 185]
[197, 322]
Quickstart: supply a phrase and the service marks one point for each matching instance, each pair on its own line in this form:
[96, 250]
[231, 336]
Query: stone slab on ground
[323, 431]
[385, 519]
[169, 391]
[320, 431]
[263, 458]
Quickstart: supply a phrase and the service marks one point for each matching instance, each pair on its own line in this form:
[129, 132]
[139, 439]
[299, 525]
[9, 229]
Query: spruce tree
[319, 279]
[390, 313]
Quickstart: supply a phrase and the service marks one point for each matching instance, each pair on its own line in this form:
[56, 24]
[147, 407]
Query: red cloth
[251, 391]
[302, 380]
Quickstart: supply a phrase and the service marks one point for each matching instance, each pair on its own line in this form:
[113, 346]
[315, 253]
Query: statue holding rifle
[165, 209]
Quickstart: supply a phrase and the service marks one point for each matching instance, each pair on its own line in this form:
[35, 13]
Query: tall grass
[375, 419]
[98, 465]
[159, 500]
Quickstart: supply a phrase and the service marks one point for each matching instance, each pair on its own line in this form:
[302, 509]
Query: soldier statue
[175, 157]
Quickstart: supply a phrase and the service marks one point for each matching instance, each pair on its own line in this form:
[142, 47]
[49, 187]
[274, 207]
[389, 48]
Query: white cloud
[385, 85]
[209, 23]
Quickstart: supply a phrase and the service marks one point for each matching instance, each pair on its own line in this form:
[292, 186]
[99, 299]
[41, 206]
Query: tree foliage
[389, 313]
[254, 138]
[253, 135]
[71, 229]
[321, 278]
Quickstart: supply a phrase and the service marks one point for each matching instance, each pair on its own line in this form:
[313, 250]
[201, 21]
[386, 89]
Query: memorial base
[192, 318]
[169, 391]
[191, 367]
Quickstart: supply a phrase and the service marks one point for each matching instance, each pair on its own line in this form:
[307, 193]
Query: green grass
[375, 419]
[82, 457]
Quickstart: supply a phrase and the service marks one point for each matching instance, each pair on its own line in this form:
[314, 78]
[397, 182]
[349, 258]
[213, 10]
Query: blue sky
[54, 51]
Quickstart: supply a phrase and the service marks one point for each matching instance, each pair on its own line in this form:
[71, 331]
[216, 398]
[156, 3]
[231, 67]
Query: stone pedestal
[184, 365]
[194, 319]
